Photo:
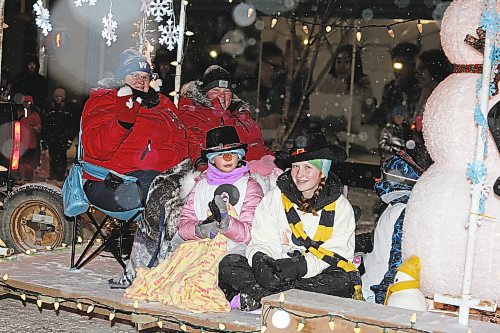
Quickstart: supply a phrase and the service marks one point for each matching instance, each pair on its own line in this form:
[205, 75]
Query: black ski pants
[236, 276]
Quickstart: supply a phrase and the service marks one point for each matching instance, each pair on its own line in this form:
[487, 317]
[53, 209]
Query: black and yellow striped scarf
[323, 233]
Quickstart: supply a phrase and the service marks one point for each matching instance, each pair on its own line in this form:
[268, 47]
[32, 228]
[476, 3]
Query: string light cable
[328, 26]
[331, 316]
[182, 324]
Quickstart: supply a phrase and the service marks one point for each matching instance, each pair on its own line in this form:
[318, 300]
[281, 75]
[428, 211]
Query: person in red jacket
[209, 103]
[31, 126]
[131, 129]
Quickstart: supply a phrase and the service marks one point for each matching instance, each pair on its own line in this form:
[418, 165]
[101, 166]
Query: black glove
[215, 210]
[218, 207]
[112, 181]
[206, 229]
[292, 269]
[265, 271]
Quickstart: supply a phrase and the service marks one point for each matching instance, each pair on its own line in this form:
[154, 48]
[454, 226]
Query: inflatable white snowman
[438, 210]
[405, 292]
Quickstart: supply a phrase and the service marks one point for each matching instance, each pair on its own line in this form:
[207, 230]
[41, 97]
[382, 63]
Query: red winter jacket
[156, 141]
[199, 116]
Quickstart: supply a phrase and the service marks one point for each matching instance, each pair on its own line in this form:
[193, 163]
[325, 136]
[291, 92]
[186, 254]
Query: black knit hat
[132, 61]
[216, 76]
[310, 146]
[220, 139]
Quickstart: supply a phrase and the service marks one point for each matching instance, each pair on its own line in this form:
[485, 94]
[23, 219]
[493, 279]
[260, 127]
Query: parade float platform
[45, 277]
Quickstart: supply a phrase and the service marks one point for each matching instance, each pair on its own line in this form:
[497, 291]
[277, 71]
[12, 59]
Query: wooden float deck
[47, 273]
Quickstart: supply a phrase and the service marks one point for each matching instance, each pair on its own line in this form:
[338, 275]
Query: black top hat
[310, 146]
[220, 139]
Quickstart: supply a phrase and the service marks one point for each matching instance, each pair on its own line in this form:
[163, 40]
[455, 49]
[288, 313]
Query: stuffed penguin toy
[405, 292]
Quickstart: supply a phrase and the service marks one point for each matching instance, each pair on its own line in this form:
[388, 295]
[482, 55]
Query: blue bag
[75, 201]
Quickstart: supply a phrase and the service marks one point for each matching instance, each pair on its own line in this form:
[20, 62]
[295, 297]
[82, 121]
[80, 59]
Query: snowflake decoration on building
[78, 3]
[109, 30]
[42, 17]
[160, 8]
[169, 34]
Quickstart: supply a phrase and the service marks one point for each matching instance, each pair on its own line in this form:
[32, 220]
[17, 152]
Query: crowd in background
[51, 122]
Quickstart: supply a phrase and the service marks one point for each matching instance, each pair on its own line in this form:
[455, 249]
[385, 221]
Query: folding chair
[116, 234]
[122, 219]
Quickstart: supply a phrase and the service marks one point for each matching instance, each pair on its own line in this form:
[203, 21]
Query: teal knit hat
[322, 165]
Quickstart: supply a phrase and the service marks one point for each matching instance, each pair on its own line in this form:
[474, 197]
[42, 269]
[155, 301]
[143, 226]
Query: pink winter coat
[239, 229]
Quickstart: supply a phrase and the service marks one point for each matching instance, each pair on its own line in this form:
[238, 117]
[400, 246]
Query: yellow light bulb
[420, 27]
[282, 298]
[159, 323]
[39, 302]
[79, 306]
[306, 41]
[390, 32]
[112, 316]
[300, 326]
[56, 305]
[274, 21]
[213, 54]
[413, 319]
[5, 277]
[136, 304]
[397, 66]
[263, 329]
[222, 327]
[331, 324]
[23, 297]
[79, 239]
[172, 93]
[358, 35]
[328, 28]
[90, 308]
[174, 63]
[230, 1]
[183, 327]
[189, 33]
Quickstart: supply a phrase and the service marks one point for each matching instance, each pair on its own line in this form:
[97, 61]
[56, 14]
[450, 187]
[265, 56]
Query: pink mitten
[264, 166]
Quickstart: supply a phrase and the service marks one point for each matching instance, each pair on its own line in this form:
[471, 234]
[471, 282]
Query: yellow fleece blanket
[188, 279]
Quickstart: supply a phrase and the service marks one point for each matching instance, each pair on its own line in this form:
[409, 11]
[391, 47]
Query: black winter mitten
[265, 271]
[292, 269]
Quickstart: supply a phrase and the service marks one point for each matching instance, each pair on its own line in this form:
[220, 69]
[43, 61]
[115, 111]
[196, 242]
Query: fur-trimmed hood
[110, 83]
[192, 91]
